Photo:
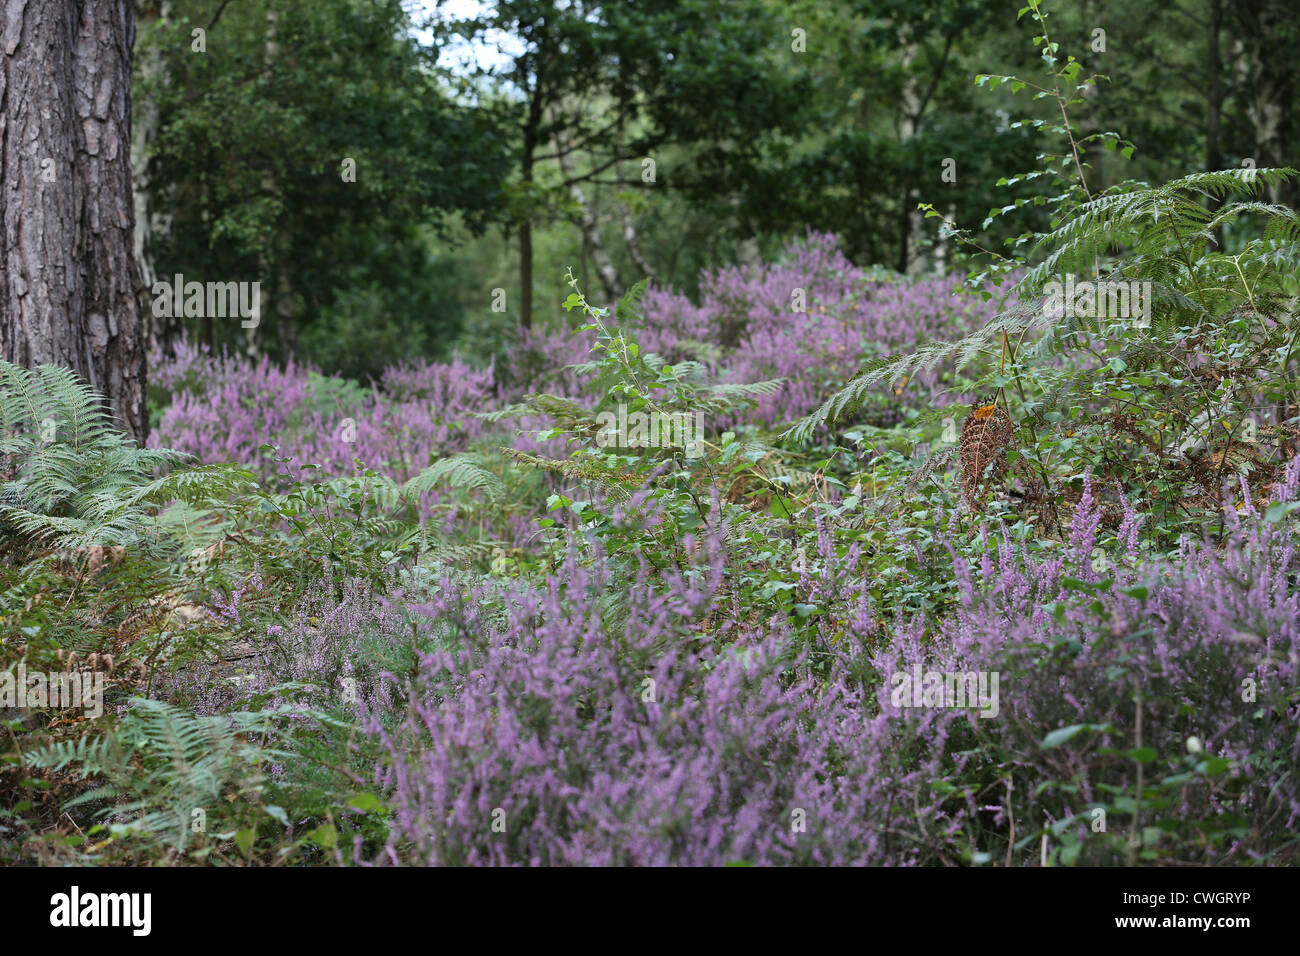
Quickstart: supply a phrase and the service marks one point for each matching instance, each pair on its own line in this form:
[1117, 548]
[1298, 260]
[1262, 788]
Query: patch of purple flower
[554, 738]
[224, 409]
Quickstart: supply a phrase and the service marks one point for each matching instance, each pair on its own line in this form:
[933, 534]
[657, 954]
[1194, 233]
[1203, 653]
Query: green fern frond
[195, 485]
[74, 476]
[460, 471]
[165, 761]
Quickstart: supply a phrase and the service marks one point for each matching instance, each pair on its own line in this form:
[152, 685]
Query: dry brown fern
[985, 437]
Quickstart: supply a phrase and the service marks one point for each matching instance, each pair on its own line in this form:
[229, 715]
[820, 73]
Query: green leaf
[324, 836]
[1277, 512]
[1070, 853]
[1213, 766]
[365, 802]
[781, 507]
[1061, 735]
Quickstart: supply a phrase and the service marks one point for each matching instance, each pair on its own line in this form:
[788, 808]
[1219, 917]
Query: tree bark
[526, 274]
[268, 267]
[1264, 25]
[911, 225]
[531, 137]
[588, 218]
[633, 243]
[68, 288]
[152, 225]
[1214, 104]
[630, 239]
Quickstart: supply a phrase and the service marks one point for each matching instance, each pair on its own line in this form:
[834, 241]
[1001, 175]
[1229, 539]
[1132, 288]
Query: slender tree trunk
[68, 283]
[1264, 25]
[633, 244]
[1214, 105]
[268, 266]
[151, 224]
[747, 250]
[630, 239]
[588, 219]
[911, 223]
[532, 127]
[526, 274]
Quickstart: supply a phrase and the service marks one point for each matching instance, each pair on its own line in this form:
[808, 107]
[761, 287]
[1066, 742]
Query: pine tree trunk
[68, 283]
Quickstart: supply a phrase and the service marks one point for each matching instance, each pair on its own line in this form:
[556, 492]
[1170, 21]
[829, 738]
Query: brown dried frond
[985, 436]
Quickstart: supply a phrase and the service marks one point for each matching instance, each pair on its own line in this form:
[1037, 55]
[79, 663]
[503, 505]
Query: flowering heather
[850, 316]
[333, 644]
[223, 409]
[1208, 649]
[596, 740]
[639, 744]
[745, 330]
[634, 695]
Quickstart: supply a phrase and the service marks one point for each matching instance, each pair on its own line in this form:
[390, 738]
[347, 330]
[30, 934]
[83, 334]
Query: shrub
[556, 740]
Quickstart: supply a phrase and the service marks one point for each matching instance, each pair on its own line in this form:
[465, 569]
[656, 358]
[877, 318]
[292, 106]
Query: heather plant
[1148, 713]
[325, 650]
[687, 679]
[558, 740]
[229, 408]
[809, 318]
[560, 734]
[812, 319]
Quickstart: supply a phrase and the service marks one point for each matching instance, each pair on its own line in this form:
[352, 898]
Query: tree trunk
[911, 223]
[1214, 106]
[268, 266]
[532, 126]
[633, 244]
[630, 239]
[526, 274]
[1263, 24]
[68, 288]
[151, 224]
[588, 219]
